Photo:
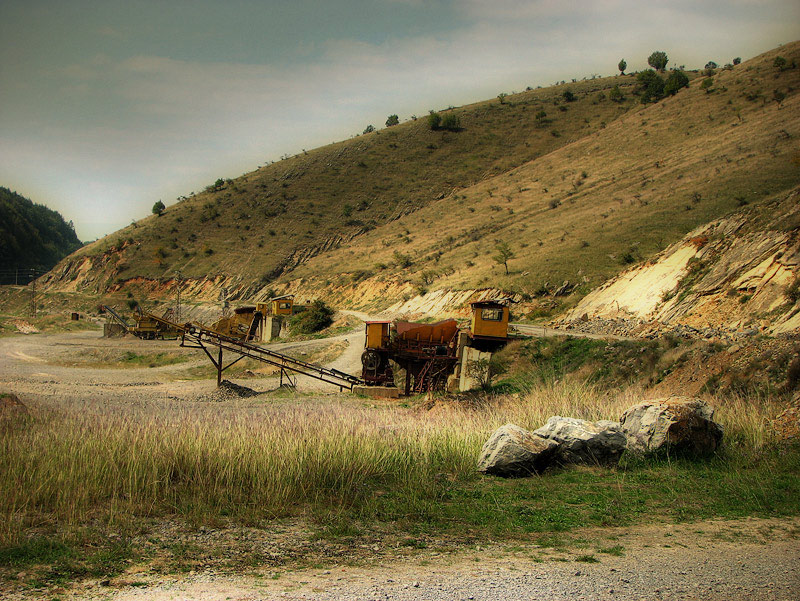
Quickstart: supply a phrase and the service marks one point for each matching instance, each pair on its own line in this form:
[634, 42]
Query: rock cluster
[674, 424]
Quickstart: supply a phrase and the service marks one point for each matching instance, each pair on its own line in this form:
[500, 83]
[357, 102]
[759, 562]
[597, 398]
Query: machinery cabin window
[283, 305]
[492, 314]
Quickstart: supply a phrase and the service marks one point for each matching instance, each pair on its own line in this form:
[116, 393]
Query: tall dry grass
[75, 465]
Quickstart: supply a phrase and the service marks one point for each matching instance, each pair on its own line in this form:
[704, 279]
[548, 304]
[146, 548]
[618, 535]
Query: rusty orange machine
[429, 353]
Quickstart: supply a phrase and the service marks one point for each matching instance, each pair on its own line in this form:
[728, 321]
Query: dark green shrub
[568, 96]
[392, 120]
[616, 94]
[369, 129]
[675, 81]
[622, 65]
[158, 208]
[434, 120]
[651, 86]
[317, 317]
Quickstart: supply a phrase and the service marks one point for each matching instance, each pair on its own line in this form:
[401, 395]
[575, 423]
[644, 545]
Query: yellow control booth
[489, 319]
[282, 305]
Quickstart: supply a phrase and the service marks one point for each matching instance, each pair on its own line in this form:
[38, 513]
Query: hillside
[31, 236]
[737, 273]
[579, 194]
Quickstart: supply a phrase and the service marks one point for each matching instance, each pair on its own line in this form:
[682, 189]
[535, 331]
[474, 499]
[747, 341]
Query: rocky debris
[787, 424]
[640, 328]
[674, 423]
[513, 451]
[581, 441]
[228, 391]
[25, 327]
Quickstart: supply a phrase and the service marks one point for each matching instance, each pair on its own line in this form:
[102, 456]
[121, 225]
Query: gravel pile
[228, 391]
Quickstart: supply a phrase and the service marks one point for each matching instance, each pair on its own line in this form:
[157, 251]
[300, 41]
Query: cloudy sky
[109, 106]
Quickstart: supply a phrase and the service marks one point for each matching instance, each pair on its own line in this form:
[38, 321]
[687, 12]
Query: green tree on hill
[158, 208]
[622, 66]
[658, 60]
[502, 254]
[392, 120]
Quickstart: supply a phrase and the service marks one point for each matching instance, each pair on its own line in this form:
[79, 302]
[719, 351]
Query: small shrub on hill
[434, 120]
[451, 122]
[392, 120]
[158, 208]
[616, 94]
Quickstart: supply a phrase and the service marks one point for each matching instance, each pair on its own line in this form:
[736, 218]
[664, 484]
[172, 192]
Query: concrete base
[378, 392]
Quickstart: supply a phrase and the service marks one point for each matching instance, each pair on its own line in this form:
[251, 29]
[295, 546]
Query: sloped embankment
[738, 274]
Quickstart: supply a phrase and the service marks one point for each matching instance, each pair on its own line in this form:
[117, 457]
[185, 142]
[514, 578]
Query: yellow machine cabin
[282, 305]
[377, 334]
[489, 319]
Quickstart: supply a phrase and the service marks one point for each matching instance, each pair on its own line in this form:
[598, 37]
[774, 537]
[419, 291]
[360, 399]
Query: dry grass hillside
[578, 194]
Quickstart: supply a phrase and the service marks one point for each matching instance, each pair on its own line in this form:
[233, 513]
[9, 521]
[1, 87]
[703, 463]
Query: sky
[108, 106]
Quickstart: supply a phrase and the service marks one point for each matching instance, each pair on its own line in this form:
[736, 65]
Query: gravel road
[715, 560]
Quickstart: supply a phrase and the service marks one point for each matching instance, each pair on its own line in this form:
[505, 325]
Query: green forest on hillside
[31, 235]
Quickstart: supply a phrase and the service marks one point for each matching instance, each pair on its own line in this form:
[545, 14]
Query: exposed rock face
[513, 451]
[674, 423]
[581, 441]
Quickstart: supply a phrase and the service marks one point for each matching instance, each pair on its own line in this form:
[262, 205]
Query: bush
[737, 60]
[369, 129]
[651, 86]
[434, 120]
[568, 96]
[676, 80]
[622, 66]
[780, 63]
[402, 260]
[451, 122]
[158, 208]
[706, 85]
[317, 317]
[616, 94]
[392, 120]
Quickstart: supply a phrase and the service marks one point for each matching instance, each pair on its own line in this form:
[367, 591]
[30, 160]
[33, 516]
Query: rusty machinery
[430, 353]
[145, 325]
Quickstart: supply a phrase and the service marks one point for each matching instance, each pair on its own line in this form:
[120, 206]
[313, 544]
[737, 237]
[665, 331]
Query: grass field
[69, 477]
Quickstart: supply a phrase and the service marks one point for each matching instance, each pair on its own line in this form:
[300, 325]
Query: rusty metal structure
[429, 354]
[146, 326]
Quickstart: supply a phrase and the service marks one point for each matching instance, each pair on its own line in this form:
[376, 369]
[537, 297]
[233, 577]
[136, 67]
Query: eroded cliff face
[738, 274]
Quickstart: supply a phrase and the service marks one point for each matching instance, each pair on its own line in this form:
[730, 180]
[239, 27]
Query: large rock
[674, 423]
[580, 441]
[512, 451]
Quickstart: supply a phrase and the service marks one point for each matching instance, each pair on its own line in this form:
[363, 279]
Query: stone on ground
[682, 424]
[513, 451]
[581, 441]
